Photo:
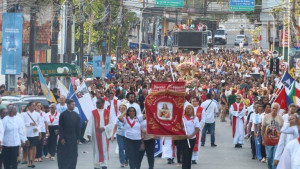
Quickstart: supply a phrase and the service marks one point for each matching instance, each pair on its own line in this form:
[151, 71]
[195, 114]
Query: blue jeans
[122, 150]
[270, 151]
[211, 128]
[258, 143]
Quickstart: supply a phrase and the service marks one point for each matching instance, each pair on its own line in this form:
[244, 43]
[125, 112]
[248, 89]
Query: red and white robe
[238, 132]
[198, 112]
[100, 118]
[114, 107]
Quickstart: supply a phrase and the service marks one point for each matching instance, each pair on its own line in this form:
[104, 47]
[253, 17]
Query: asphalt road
[225, 156]
[231, 35]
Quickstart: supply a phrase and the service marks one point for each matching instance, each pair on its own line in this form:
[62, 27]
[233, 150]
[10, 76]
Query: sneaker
[80, 143]
[194, 162]
[214, 145]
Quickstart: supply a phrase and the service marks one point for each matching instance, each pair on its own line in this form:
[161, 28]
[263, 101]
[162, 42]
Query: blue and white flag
[82, 101]
[287, 79]
[158, 147]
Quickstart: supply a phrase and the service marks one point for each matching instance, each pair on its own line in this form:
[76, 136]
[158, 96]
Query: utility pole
[80, 59]
[104, 46]
[55, 32]
[154, 30]
[289, 32]
[110, 30]
[69, 17]
[32, 41]
[143, 23]
[120, 33]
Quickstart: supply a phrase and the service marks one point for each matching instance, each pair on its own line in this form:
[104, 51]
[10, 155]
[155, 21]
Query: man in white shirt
[131, 99]
[208, 117]
[61, 106]
[250, 128]
[33, 129]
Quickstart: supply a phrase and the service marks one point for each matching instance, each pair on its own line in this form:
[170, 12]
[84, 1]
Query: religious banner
[164, 109]
[172, 86]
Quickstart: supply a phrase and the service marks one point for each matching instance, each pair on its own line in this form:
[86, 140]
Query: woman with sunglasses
[132, 135]
[52, 119]
[192, 127]
[44, 130]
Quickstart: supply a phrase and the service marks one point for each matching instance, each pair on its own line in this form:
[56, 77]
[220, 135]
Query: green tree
[94, 13]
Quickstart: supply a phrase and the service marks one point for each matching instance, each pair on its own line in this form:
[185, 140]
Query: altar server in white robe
[99, 129]
[290, 158]
[238, 110]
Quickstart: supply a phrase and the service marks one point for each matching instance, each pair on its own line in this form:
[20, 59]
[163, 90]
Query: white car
[241, 39]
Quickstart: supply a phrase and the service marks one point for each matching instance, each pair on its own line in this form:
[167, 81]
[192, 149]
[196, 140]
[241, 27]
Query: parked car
[241, 39]
[26, 98]
[20, 105]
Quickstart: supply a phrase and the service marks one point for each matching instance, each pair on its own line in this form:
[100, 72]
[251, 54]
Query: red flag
[281, 100]
[164, 110]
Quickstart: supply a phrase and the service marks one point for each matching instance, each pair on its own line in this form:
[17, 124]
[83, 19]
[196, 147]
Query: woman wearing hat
[52, 120]
[192, 127]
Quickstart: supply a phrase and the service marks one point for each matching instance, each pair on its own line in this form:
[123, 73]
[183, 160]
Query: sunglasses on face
[98, 103]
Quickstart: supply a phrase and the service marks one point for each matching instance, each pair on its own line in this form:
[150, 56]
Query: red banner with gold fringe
[164, 109]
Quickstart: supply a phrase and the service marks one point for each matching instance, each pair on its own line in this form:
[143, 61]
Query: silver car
[241, 39]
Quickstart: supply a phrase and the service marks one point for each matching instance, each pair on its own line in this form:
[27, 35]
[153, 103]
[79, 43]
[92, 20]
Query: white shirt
[209, 115]
[285, 118]
[1, 131]
[27, 120]
[144, 127]
[60, 108]
[43, 119]
[54, 118]
[133, 133]
[290, 157]
[251, 120]
[13, 132]
[137, 108]
[191, 125]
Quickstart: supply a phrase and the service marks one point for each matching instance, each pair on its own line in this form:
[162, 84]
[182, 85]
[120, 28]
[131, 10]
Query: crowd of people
[232, 87]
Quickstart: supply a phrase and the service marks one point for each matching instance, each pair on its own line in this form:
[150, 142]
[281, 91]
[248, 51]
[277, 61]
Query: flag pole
[188, 140]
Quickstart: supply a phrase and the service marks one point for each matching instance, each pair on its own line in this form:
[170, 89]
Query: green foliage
[94, 12]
